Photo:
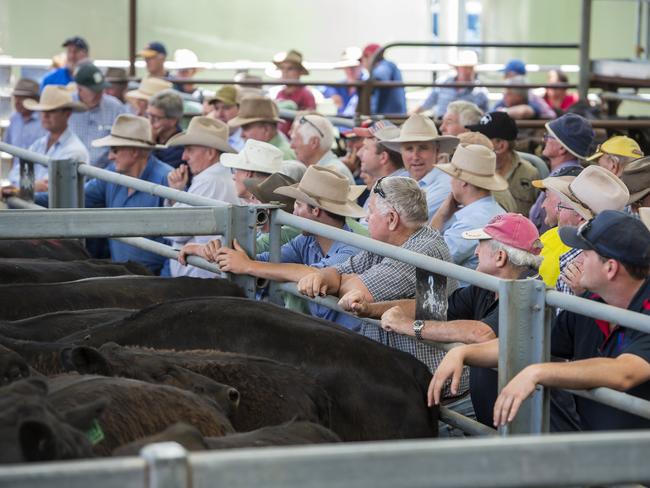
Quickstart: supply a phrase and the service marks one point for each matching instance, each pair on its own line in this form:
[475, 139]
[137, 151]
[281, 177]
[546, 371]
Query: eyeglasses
[378, 189]
[155, 118]
[563, 207]
[548, 137]
[304, 120]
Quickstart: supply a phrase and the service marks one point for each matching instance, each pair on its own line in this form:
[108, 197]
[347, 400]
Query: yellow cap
[618, 146]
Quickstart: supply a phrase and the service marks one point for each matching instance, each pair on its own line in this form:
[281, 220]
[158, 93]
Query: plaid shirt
[565, 259]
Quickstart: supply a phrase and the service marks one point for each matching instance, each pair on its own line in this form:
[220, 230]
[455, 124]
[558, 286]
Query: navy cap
[574, 133]
[496, 125]
[612, 234]
[515, 66]
[152, 49]
[76, 41]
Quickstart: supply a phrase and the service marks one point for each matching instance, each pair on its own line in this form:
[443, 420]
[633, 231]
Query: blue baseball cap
[515, 66]
[612, 234]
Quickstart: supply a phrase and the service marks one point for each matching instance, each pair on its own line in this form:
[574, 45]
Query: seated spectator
[154, 55]
[518, 103]
[103, 109]
[644, 214]
[312, 139]
[441, 97]
[258, 119]
[24, 125]
[616, 153]
[187, 65]
[421, 147]
[559, 99]
[119, 83]
[469, 204]
[514, 68]
[165, 112]
[346, 98]
[204, 141]
[352, 144]
[502, 131]
[458, 116]
[637, 180]
[76, 52]
[139, 98]
[383, 100]
[131, 145]
[595, 353]
[257, 160]
[290, 65]
[567, 143]
[224, 106]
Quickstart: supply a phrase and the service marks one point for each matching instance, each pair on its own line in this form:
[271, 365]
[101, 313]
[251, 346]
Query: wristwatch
[418, 325]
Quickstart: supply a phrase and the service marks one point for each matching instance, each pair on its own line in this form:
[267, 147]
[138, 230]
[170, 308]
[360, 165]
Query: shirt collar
[481, 201]
[427, 179]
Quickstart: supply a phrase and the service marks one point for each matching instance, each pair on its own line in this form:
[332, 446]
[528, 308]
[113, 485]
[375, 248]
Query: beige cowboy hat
[255, 156]
[419, 128]
[644, 213]
[148, 88]
[128, 131]
[264, 189]
[476, 165]
[326, 189]
[595, 189]
[204, 131]
[636, 177]
[290, 57]
[54, 97]
[255, 109]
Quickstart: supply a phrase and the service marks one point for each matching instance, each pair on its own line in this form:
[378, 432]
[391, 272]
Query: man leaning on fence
[590, 353]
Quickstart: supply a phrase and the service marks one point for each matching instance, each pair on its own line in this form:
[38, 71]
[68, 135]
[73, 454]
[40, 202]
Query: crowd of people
[578, 219]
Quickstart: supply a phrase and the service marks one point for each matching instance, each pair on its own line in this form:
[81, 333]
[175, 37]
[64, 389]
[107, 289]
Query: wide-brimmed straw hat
[476, 165]
[128, 131]
[595, 189]
[326, 189]
[255, 109]
[636, 177]
[420, 128]
[54, 97]
[264, 189]
[204, 131]
[26, 88]
[255, 156]
[644, 213]
[290, 57]
[148, 88]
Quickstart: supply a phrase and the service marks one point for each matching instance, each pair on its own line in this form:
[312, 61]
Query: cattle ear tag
[95, 434]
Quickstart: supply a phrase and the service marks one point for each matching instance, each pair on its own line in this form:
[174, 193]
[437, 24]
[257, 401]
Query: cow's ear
[85, 360]
[37, 441]
[83, 416]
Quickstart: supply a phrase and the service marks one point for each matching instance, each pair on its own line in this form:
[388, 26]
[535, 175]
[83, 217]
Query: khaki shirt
[521, 194]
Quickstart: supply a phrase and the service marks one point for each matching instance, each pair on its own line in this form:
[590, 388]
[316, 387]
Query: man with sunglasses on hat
[593, 353]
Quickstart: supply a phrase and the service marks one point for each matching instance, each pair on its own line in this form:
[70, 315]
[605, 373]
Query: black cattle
[61, 249]
[377, 392]
[21, 270]
[13, 366]
[27, 299]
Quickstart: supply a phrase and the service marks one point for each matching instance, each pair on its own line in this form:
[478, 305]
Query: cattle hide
[61, 249]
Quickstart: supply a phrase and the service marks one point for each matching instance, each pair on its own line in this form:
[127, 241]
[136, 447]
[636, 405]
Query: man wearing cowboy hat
[204, 141]
[55, 106]
[76, 52]
[24, 125]
[102, 111]
[567, 143]
[616, 153]
[593, 353]
[224, 106]
[130, 146]
[470, 204]
[594, 190]
[119, 83]
[441, 97]
[421, 146]
[383, 100]
[290, 65]
[258, 119]
[637, 179]
[139, 98]
[187, 65]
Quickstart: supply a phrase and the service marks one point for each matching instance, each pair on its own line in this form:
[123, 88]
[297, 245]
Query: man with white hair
[312, 138]
[458, 116]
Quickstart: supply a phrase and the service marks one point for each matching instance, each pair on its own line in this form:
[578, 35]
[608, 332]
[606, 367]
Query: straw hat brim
[493, 183]
[239, 121]
[638, 195]
[137, 95]
[35, 106]
[348, 209]
[303, 70]
[446, 143]
[253, 186]
[644, 213]
[114, 141]
[561, 189]
[188, 139]
[234, 161]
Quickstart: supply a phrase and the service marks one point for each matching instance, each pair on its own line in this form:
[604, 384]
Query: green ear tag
[95, 434]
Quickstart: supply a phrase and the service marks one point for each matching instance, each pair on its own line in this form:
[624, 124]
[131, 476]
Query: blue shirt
[440, 97]
[305, 250]
[387, 100]
[437, 186]
[95, 124]
[60, 76]
[100, 194]
[23, 133]
[236, 141]
[476, 215]
[349, 97]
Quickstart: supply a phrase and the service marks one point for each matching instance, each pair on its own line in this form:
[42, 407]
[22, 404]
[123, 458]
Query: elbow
[625, 382]
[482, 334]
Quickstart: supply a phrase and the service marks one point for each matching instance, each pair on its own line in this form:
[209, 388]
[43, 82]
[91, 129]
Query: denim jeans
[462, 406]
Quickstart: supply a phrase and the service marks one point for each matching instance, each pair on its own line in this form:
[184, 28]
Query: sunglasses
[378, 189]
[304, 120]
[583, 229]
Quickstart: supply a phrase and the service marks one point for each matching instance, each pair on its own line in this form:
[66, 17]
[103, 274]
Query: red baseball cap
[510, 229]
[370, 49]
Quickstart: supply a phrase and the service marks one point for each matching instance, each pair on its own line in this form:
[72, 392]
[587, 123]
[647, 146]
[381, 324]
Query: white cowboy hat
[255, 156]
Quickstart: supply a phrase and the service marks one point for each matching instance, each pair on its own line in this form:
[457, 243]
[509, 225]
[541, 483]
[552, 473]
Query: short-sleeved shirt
[575, 337]
[520, 185]
[23, 132]
[236, 141]
[440, 97]
[59, 76]
[437, 186]
[552, 248]
[349, 96]
[100, 194]
[387, 100]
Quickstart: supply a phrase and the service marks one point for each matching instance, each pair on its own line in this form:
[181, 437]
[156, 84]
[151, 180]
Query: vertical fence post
[275, 242]
[524, 337]
[585, 40]
[167, 466]
[26, 180]
[243, 227]
[64, 184]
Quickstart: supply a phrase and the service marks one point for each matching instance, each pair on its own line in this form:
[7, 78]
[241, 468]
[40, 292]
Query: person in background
[383, 100]
[637, 179]
[616, 153]
[187, 65]
[76, 51]
[139, 98]
[224, 106]
[559, 99]
[165, 111]
[119, 83]
[346, 98]
[290, 65]
[458, 116]
[519, 103]
[154, 55]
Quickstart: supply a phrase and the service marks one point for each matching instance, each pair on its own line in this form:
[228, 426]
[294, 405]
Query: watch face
[418, 325]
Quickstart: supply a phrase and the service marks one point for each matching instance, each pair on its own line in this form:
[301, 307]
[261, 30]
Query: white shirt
[213, 182]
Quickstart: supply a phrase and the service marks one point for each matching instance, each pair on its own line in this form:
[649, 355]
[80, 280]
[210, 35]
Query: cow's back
[61, 249]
